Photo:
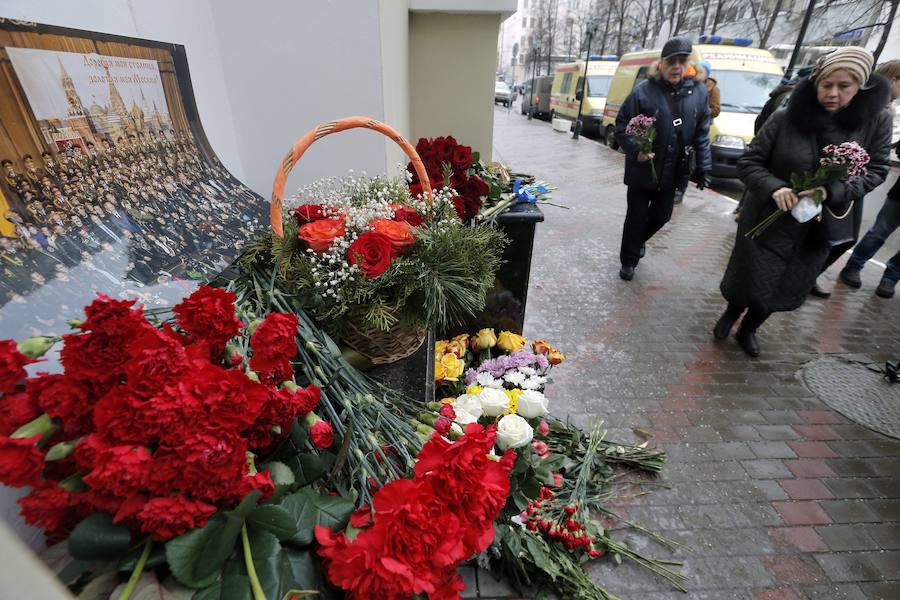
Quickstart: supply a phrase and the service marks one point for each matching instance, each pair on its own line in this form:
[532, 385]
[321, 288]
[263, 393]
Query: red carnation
[208, 314]
[372, 251]
[87, 451]
[12, 363]
[274, 344]
[207, 465]
[120, 470]
[261, 482]
[104, 309]
[165, 518]
[321, 434]
[447, 411]
[17, 409]
[119, 417]
[51, 508]
[307, 213]
[66, 399]
[21, 461]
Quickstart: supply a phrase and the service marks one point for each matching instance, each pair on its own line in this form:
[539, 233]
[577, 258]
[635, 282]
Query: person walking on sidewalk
[681, 109]
[839, 102]
[701, 73]
[888, 219]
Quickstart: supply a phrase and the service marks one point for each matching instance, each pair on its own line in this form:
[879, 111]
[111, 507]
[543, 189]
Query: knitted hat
[854, 59]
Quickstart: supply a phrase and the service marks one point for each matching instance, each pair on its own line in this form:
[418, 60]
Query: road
[732, 189]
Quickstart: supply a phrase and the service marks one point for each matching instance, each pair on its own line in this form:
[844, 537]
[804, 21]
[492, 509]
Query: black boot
[726, 322]
[747, 341]
[626, 272]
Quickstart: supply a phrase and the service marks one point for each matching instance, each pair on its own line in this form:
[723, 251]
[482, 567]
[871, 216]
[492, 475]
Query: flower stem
[255, 586]
[138, 569]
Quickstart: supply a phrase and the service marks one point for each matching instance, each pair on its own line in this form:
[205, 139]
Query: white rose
[532, 404]
[514, 377]
[487, 380]
[514, 432]
[468, 403]
[493, 402]
[464, 417]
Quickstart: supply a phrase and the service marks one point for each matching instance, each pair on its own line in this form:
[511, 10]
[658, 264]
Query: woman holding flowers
[842, 101]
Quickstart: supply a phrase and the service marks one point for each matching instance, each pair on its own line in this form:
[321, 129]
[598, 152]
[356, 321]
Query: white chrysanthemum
[533, 383]
[515, 378]
[487, 380]
[527, 371]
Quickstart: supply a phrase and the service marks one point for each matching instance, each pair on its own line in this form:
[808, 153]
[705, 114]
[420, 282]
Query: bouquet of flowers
[839, 163]
[156, 444]
[480, 192]
[560, 478]
[362, 253]
[417, 531]
[642, 128]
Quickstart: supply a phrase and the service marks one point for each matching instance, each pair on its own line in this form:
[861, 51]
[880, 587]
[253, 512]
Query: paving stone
[886, 488]
[886, 535]
[889, 590]
[772, 450]
[730, 451]
[766, 469]
[491, 587]
[738, 433]
[841, 538]
[796, 569]
[778, 593]
[849, 511]
[803, 539]
[802, 513]
[819, 417]
[856, 432]
[852, 467]
[809, 467]
[885, 510]
[859, 566]
[470, 579]
[771, 489]
[778, 432]
[816, 432]
[844, 591]
[812, 450]
[805, 489]
[851, 488]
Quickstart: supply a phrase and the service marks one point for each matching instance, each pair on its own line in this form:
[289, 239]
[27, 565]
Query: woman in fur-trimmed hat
[841, 101]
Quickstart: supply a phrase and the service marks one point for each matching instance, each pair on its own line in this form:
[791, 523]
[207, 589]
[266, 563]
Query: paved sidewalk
[772, 493]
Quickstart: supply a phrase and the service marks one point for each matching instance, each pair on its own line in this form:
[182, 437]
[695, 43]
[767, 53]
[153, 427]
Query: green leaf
[197, 556]
[308, 468]
[273, 519]
[157, 557]
[150, 588]
[100, 588]
[310, 509]
[544, 475]
[283, 477]
[281, 570]
[212, 592]
[97, 538]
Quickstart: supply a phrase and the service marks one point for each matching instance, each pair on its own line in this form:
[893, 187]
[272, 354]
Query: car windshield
[744, 91]
[500, 86]
[598, 85]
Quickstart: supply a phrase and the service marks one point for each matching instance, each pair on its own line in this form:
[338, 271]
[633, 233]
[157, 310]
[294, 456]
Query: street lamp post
[592, 26]
[536, 46]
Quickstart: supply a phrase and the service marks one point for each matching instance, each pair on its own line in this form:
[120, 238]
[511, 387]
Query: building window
[524, 22]
[525, 5]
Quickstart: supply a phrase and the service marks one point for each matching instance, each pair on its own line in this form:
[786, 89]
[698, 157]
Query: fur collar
[807, 114]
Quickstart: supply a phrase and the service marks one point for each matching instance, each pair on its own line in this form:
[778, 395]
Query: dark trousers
[648, 211]
[752, 319]
[887, 221]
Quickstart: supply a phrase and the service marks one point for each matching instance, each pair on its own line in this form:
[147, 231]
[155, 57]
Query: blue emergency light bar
[604, 57]
[724, 41]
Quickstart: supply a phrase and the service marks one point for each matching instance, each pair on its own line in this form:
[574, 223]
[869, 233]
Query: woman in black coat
[840, 102]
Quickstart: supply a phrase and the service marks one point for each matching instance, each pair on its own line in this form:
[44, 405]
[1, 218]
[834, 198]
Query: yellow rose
[456, 348]
[439, 373]
[554, 357]
[540, 347]
[510, 342]
[463, 339]
[449, 400]
[440, 347]
[486, 338]
[474, 390]
[452, 367]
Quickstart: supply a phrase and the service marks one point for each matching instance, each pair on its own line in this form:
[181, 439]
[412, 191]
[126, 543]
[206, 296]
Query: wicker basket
[378, 346]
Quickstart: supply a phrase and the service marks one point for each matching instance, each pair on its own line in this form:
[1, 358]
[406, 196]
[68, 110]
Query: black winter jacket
[775, 271]
[657, 98]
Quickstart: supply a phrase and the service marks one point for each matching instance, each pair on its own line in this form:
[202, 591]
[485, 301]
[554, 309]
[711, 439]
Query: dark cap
[678, 46]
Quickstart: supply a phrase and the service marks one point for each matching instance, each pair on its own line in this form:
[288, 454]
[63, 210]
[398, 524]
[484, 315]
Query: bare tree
[887, 29]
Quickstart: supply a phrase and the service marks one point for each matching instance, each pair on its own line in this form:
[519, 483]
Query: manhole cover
[858, 393]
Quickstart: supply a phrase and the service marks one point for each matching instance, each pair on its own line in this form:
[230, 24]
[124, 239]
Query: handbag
[836, 230]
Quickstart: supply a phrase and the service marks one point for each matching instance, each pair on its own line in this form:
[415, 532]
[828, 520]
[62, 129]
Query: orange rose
[399, 232]
[540, 347]
[554, 357]
[319, 235]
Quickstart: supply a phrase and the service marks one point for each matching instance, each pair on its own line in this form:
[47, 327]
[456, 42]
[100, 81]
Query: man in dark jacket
[680, 107]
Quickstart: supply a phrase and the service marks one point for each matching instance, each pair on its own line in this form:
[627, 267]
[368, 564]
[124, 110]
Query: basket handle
[303, 144]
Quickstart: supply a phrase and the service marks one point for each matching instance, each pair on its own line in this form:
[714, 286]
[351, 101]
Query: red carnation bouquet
[417, 531]
[155, 430]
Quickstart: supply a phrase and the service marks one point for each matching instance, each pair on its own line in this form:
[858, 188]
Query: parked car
[541, 97]
[502, 93]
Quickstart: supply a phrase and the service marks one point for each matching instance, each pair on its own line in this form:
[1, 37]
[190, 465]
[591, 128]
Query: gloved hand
[702, 179]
